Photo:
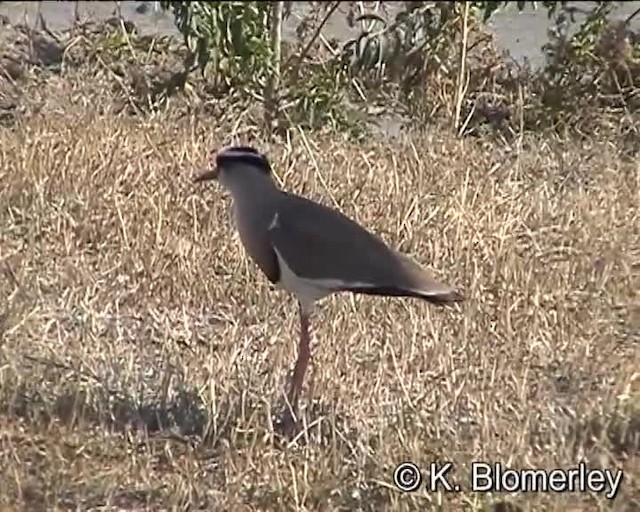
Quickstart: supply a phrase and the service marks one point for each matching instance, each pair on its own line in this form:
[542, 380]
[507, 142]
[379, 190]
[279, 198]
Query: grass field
[142, 356]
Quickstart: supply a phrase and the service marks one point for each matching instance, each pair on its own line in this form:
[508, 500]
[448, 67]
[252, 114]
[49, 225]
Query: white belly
[307, 291]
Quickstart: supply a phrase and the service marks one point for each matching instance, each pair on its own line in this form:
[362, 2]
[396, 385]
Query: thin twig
[76, 14]
[45, 28]
[123, 86]
[273, 82]
[323, 181]
[631, 16]
[315, 36]
[463, 58]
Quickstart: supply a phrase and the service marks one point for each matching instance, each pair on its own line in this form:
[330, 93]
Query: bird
[311, 250]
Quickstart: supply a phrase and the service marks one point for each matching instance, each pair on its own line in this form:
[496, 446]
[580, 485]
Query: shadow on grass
[65, 396]
[618, 429]
[183, 414]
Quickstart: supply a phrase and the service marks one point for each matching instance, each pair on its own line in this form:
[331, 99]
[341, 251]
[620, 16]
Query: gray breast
[252, 223]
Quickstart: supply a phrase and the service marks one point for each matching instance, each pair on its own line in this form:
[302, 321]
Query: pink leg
[302, 362]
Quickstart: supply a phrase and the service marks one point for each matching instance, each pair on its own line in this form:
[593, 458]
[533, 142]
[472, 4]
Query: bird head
[235, 159]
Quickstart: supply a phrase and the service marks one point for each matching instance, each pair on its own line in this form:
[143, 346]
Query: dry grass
[141, 356]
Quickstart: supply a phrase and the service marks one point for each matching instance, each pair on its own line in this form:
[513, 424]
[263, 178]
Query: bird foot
[286, 425]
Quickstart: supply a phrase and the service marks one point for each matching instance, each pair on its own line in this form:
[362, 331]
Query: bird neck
[249, 185]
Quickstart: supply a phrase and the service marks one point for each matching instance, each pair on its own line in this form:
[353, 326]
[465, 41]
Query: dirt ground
[142, 356]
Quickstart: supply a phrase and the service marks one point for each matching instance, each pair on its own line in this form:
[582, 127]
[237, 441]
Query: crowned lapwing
[312, 250]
